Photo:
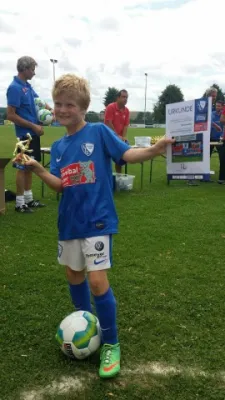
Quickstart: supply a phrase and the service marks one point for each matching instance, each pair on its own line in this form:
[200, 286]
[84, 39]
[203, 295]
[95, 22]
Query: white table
[45, 150]
[142, 164]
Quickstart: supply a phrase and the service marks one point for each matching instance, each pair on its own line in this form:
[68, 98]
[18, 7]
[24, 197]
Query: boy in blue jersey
[22, 112]
[81, 170]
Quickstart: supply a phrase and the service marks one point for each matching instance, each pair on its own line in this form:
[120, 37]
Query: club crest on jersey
[87, 148]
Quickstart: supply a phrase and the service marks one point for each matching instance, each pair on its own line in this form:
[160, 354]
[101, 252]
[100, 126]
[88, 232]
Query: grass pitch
[168, 278]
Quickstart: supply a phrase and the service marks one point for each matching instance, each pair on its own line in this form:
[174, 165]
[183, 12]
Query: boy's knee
[75, 277]
[98, 283]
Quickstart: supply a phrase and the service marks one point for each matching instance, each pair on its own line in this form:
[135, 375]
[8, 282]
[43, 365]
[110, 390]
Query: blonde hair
[74, 87]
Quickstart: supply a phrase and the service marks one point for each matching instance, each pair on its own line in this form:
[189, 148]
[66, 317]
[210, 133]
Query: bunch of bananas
[155, 139]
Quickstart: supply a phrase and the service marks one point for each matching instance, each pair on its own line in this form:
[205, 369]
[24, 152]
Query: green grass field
[168, 277]
[186, 159]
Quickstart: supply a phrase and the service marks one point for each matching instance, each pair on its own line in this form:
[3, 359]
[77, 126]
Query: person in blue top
[81, 169]
[216, 126]
[212, 92]
[22, 112]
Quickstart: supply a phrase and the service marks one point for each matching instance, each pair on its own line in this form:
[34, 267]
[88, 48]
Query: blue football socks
[80, 295]
[106, 312]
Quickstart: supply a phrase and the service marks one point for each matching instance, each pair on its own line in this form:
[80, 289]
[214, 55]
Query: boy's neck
[71, 130]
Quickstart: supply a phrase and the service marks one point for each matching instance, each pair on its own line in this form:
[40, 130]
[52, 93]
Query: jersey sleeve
[114, 146]
[109, 113]
[54, 165]
[223, 111]
[13, 96]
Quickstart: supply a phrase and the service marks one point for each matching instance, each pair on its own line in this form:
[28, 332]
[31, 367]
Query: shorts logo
[96, 255]
[96, 262]
[60, 250]
[87, 148]
[99, 246]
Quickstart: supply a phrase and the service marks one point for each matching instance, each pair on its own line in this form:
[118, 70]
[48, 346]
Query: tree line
[171, 94]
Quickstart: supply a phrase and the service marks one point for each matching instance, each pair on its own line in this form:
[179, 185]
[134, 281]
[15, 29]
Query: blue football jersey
[21, 95]
[83, 161]
[215, 135]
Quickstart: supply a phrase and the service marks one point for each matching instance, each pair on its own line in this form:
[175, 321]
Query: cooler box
[142, 141]
[123, 181]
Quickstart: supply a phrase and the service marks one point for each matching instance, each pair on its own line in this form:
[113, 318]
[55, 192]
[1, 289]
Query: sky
[174, 41]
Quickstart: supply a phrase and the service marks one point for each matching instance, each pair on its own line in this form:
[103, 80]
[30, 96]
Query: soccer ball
[45, 116]
[39, 104]
[79, 335]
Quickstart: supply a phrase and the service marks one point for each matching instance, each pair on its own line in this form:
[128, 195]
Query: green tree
[171, 94]
[110, 96]
[92, 116]
[220, 94]
[148, 118]
[140, 118]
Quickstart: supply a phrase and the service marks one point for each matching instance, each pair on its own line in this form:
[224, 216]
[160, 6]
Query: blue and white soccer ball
[79, 335]
[39, 104]
[45, 116]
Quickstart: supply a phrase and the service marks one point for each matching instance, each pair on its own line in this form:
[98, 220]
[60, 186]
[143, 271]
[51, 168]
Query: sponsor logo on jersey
[78, 173]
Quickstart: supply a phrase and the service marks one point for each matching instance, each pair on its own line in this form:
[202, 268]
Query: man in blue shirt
[216, 127]
[212, 92]
[22, 112]
[81, 168]
[221, 180]
[215, 123]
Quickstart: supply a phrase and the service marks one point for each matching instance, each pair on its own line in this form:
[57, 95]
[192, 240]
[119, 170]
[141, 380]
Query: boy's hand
[161, 146]
[17, 158]
[33, 165]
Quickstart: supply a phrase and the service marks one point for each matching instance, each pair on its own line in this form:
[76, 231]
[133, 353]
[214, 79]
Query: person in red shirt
[117, 117]
[222, 118]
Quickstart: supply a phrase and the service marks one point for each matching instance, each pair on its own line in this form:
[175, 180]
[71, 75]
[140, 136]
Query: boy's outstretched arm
[145, 154]
[51, 180]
